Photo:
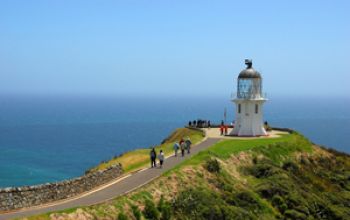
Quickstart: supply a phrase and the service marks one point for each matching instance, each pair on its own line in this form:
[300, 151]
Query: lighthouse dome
[249, 72]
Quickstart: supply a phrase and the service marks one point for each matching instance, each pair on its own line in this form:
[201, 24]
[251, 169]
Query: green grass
[274, 147]
[46, 216]
[137, 159]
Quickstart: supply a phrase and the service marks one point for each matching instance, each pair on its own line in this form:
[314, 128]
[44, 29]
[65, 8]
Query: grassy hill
[137, 159]
[280, 178]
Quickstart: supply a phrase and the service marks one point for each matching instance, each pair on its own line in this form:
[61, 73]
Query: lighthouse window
[239, 108]
[256, 108]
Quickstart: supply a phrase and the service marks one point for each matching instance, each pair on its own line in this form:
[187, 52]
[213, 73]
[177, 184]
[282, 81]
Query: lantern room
[249, 85]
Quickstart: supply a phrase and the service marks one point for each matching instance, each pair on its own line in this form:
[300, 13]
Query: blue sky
[173, 48]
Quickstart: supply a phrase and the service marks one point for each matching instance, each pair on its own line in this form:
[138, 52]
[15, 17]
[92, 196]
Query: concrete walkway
[215, 133]
[119, 187]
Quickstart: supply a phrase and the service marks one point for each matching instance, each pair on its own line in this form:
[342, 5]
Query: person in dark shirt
[153, 155]
[188, 144]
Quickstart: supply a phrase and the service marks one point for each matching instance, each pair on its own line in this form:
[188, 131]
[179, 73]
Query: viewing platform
[215, 133]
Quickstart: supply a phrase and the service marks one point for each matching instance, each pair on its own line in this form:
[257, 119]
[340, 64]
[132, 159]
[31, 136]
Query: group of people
[153, 155]
[223, 129]
[199, 123]
[182, 145]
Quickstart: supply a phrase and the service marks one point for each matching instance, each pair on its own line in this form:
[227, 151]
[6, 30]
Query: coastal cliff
[279, 178]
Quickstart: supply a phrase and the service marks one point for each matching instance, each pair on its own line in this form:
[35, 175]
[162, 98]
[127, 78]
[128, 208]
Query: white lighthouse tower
[249, 103]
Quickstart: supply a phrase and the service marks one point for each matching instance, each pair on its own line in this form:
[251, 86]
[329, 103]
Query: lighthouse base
[249, 118]
[248, 133]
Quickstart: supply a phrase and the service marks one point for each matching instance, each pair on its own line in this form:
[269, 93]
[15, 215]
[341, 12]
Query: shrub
[292, 214]
[136, 212]
[122, 216]
[279, 203]
[204, 204]
[290, 166]
[166, 212]
[161, 203]
[255, 160]
[213, 165]
[164, 208]
[269, 189]
[150, 211]
[193, 202]
[248, 201]
[262, 170]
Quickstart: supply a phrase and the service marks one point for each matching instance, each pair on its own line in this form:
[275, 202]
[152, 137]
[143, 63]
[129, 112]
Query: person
[226, 128]
[161, 158]
[176, 148]
[189, 124]
[194, 123]
[221, 130]
[181, 140]
[188, 144]
[153, 155]
[209, 124]
[182, 146]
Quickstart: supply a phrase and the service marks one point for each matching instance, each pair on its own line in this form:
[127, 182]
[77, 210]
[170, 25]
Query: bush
[164, 208]
[136, 212]
[122, 216]
[248, 201]
[262, 170]
[290, 166]
[161, 203]
[292, 214]
[150, 211]
[269, 189]
[166, 212]
[213, 166]
[255, 160]
[193, 202]
[204, 204]
[279, 203]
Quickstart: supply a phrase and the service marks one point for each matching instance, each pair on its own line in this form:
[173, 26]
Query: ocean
[48, 139]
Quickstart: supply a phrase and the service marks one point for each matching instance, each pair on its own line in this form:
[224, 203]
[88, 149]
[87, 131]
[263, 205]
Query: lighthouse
[249, 103]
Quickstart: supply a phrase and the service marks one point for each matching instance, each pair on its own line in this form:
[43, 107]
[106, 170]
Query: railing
[248, 95]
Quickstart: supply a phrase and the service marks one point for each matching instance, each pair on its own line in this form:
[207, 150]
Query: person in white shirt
[161, 158]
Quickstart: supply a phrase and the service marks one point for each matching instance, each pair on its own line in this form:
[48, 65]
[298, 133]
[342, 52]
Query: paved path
[112, 190]
[215, 133]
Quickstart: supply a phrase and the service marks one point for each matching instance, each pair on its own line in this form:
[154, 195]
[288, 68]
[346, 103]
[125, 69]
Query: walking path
[118, 187]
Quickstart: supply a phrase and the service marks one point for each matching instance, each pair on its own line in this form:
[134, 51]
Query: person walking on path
[226, 128]
[153, 156]
[182, 146]
[188, 144]
[161, 158]
[176, 148]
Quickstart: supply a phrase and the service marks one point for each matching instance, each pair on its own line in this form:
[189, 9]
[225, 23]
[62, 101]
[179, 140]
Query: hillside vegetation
[280, 178]
[137, 159]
